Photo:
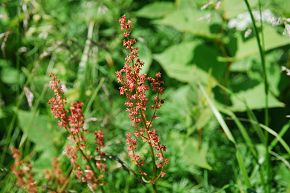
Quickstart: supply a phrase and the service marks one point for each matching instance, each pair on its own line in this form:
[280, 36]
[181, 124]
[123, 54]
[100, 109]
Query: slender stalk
[147, 127]
[86, 157]
[102, 189]
[262, 56]
[154, 188]
[267, 187]
[90, 163]
[67, 181]
[151, 148]
[128, 169]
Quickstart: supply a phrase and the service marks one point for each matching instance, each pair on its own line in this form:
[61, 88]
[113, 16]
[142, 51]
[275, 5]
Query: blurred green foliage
[198, 45]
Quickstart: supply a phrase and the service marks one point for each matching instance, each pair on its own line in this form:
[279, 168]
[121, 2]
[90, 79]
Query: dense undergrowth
[225, 118]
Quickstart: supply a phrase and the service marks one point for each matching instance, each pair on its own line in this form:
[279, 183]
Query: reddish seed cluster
[71, 153]
[76, 125]
[133, 84]
[88, 176]
[73, 122]
[58, 102]
[76, 119]
[135, 87]
[56, 175]
[99, 141]
[23, 173]
[131, 146]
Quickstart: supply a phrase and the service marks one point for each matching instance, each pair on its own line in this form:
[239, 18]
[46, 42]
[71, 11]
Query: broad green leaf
[186, 73]
[38, 129]
[188, 20]
[155, 10]
[177, 54]
[176, 62]
[11, 76]
[185, 4]
[206, 58]
[195, 156]
[271, 39]
[251, 72]
[241, 65]
[282, 8]
[254, 98]
[232, 8]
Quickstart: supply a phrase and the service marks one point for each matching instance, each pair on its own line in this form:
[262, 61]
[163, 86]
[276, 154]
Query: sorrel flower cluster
[73, 122]
[55, 179]
[136, 86]
[56, 176]
[23, 172]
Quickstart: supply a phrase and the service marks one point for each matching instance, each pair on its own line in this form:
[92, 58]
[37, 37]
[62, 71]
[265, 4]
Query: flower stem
[154, 188]
[267, 187]
[151, 148]
[86, 157]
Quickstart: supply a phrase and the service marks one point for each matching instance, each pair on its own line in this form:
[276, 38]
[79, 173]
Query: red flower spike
[135, 86]
[73, 122]
[58, 102]
[23, 172]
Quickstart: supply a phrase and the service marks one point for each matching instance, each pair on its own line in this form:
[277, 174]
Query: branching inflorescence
[136, 87]
[143, 95]
[73, 122]
[23, 172]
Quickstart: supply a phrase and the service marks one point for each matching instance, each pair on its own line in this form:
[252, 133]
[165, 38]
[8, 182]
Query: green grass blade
[258, 129]
[277, 136]
[281, 134]
[243, 168]
[244, 132]
[286, 163]
[217, 115]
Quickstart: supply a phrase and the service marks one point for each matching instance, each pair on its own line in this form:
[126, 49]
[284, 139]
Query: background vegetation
[225, 131]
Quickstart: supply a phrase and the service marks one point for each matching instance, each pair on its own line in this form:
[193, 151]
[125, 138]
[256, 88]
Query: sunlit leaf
[39, 129]
[271, 39]
[234, 7]
[188, 20]
[155, 10]
[254, 98]
[176, 62]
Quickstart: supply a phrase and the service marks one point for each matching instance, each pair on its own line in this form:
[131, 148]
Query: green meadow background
[226, 116]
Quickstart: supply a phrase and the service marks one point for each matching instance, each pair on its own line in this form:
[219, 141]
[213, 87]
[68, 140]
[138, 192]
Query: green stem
[262, 56]
[151, 148]
[127, 168]
[86, 157]
[154, 188]
[67, 181]
[102, 189]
